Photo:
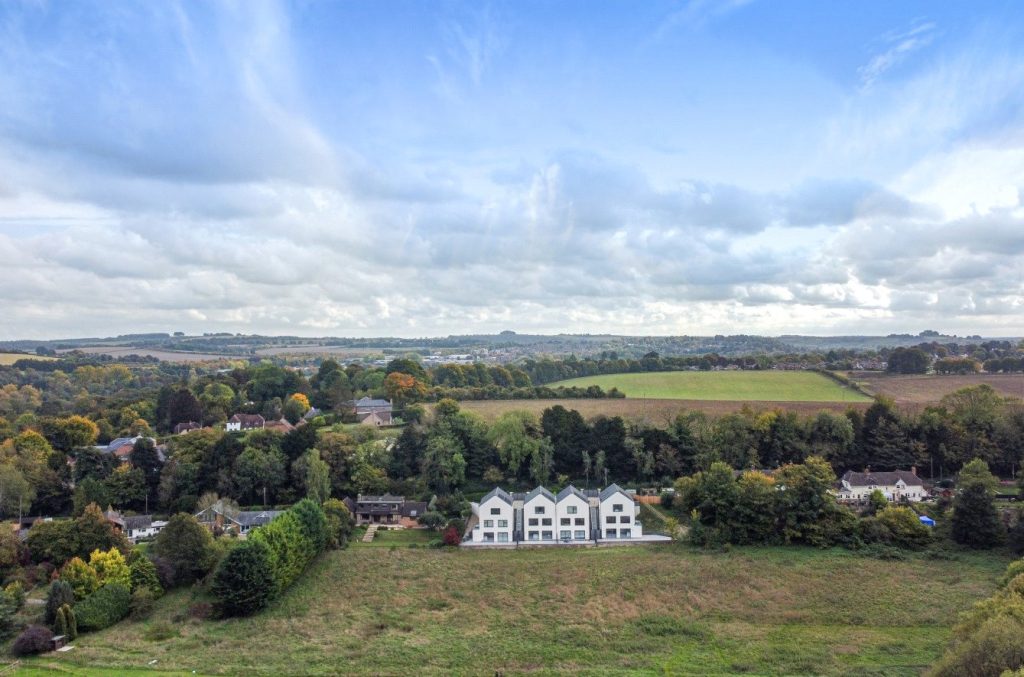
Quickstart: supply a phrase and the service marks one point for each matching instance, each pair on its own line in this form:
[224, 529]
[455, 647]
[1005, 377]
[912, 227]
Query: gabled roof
[570, 491]
[539, 491]
[860, 479]
[611, 490]
[138, 522]
[252, 518]
[497, 492]
[370, 403]
[384, 498]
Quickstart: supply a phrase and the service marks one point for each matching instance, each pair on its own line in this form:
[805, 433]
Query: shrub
[164, 572]
[905, 529]
[994, 647]
[143, 575]
[60, 626]
[104, 607]
[16, 593]
[110, 566]
[32, 640]
[1015, 569]
[81, 577]
[339, 523]
[7, 620]
[432, 520]
[141, 604]
[67, 622]
[452, 536]
[244, 581]
[188, 546]
[666, 499]
[60, 594]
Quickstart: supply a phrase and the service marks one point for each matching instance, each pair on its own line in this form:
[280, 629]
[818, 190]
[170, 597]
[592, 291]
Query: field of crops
[7, 359]
[776, 386]
[930, 388]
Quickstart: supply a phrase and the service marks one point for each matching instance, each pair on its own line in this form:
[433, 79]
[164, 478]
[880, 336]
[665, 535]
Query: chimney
[913, 470]
[867, 470]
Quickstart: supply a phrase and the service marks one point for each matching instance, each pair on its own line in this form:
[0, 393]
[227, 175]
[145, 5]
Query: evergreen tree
[975, 521]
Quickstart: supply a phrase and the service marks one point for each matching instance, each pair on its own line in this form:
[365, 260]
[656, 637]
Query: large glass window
[502, 536]
[538, 510]
[488, 523]
[623, 520]
[570, 509]
[488, 535]
[610, 519]
[616, 507]
[503, 524]
[547, 535]
[534, 535]
[580, 535]
[534, 521]
[565, 534]
[580, 521]
[565, 521]
[495, 511]
[609, 533]
[624, 533]
[546, 522]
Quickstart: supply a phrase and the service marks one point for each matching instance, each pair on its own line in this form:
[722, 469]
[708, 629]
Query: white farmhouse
[899, 485]
[618, 512]
[495, 518]
[539, 515]
[573, 513]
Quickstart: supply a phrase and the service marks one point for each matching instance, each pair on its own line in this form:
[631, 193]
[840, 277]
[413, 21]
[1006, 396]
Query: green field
[640, 610]
[778, 386]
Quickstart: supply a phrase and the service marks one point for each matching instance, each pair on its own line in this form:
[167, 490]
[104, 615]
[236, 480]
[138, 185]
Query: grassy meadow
[7, 359]
[639, 610]
[779, 386]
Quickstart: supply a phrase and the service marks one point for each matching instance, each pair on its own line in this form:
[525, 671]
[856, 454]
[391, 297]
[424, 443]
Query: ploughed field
[642, 609]
[930, 388]
[776, 386]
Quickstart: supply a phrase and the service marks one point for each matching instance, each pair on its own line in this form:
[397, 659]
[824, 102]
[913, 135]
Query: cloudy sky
[419, 168]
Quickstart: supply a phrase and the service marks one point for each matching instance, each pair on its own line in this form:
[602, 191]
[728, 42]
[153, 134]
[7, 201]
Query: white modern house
[619, 512]
[539, 510]
[573, 517]
[897, 486]
[573, 512]
[495, 518]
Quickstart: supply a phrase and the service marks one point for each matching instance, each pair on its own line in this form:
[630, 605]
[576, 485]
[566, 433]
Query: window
[580, 521]
[624, 533]
[609, 533]
[488, 536]
[547, 535]
[580, 535]
[570, 509]
[565, 521]
[610, 519]
[488, 524]
[534, 535]
[546, 522]
[503, 537]
[495, 511]
[623, 520]
[616, 507]
[564, 534]
[539, 510]
[503, 524]
[534, 521]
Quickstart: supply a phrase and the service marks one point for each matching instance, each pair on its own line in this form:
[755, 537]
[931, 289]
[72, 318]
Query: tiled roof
[860, 479]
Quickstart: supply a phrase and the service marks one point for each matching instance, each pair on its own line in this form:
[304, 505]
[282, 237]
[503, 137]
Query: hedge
[272, 558]
[104, 607]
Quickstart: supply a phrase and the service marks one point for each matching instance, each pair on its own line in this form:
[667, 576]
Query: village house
[135, 527]
[122, 448]
[386, 510]
[573, 516]
[238, 522]
[183, 428]
[281, 426]
[373, 412]
[897, 486]
[240, 422]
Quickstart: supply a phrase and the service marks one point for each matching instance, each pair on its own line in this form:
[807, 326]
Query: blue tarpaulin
[926, 520]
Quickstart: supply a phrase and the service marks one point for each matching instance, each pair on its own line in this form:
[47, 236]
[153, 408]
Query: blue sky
[412, 168]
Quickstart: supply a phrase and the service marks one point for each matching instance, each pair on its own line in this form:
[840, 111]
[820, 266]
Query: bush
[667, 497]
[188, 546]
[994, 647]
[59, 595]
[141, 604]
[67, 622]
[143, 576]
[81, 577]
[103, 608]
[432, 520]
[905, 529]
[15, 592]
[110, 566]
[164, 572]
[244, 581]
[1015, 569]
[32, 640]
[339, 523]
[452, 536]
[7, 619]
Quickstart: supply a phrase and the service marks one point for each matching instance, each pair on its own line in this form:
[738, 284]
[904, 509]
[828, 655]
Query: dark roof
[385, 498]
[368, 404]
[539, 491]
[414, 508]
[247, 419]
[860, 479]
[497, 492]
[611, 490]
[182, 427]
[253, 518]
[570, 491]
[138, 522]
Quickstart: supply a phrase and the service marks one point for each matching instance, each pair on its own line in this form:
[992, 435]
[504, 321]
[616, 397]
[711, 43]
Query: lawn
[669, 608]
[780, 386]
[387, 538]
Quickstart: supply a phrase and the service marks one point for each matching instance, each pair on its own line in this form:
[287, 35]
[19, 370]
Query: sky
[385, 168]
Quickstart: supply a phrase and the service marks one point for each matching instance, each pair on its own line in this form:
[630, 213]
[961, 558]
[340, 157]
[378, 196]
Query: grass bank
[649, 609]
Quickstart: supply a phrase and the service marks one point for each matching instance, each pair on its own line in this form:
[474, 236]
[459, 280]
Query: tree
[295, 408]
[70, 433]
[908, 361]
[876, 502]
[110, 567]
[16, 493]
[90, 492]
[183, 407]
[126, 487]
[82, 578]
[258, 470]
[443, 464]
[244, 581]
[975, 520]
[318, 478]
[403, 388]
[93, 531]
[145, 457]
[339, 523]
[188, 546]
